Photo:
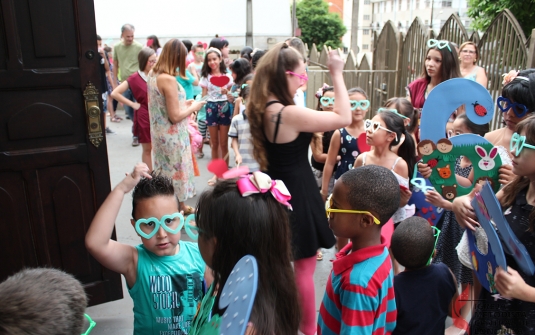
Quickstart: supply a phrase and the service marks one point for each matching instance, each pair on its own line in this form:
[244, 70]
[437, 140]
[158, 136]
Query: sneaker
[135, 142]
[109, 131]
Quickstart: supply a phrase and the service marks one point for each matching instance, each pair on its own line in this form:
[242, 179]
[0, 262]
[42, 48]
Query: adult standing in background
[169, 111]
[468, 57]
[125, 63]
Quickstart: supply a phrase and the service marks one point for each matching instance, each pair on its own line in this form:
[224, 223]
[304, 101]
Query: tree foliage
[484, 11]
[318, 25]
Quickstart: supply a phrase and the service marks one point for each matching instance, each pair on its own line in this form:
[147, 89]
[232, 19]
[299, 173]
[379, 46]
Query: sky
[195, 18]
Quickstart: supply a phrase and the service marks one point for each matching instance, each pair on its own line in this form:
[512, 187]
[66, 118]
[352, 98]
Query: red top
[139, 88]
[417, 92]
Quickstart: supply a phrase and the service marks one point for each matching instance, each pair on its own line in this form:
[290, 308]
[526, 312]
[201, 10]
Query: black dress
[490, 316]
[308, 221]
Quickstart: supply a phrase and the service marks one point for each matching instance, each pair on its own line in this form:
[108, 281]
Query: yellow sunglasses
[329, 210]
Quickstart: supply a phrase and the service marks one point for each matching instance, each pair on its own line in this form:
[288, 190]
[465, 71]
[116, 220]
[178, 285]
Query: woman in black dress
[281, 135]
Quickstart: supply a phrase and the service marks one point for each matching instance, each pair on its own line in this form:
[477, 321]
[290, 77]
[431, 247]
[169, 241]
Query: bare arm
[237, 104]
[328, 168]
[317, 151]
[167, 85]
[117, 94]
[194, 75]
[234, 145]
[481, 76]
[402, 169]
[115, 67]
[118, 257]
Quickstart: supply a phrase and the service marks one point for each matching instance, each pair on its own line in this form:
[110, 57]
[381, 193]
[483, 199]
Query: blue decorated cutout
[423, 208]
[508, 238]
[440, 153]
[239, 294]
[485, 265]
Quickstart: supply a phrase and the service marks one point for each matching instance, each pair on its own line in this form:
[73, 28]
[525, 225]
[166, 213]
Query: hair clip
[432, 43]
[259, 182]
[320, 92]
[244, 85]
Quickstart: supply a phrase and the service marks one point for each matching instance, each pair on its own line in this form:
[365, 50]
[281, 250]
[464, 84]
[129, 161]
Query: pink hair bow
[319, 93]
[259, 182]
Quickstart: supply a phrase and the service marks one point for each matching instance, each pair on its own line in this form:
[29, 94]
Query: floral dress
[171, 150]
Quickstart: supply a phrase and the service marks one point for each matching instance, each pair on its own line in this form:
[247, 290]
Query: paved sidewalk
[117, 317]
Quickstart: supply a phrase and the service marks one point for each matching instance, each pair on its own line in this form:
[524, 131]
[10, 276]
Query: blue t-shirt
[168, 290]
[423, 297]
[187, 84]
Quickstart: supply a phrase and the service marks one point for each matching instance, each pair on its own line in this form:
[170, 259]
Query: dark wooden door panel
[52, 177]
[16, 224]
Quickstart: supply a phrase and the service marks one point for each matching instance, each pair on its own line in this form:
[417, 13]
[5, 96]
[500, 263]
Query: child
[164, 275]
[241, 136]
[218, 112]
[382, 133]
[320, 142]
[344, 140]
[196, 66]
[359, 297]
[424, 291]
[239, 105]
[408, 113]
[513, 316]
[42, 301]
[232, 225]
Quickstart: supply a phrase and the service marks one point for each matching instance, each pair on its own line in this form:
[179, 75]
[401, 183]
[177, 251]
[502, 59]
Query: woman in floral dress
[169, 113]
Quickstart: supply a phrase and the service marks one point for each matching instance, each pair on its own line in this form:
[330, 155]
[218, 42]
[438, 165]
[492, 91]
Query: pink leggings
[304, 278]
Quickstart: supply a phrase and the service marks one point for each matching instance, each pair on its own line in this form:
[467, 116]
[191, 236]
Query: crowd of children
[405, 282]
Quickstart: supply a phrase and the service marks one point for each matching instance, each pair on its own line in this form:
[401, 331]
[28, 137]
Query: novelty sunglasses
[374, 126]
[518, 142]
[391, 110]
[436, 234]
[505, 104]
[329, 210]
[302, 77]
[171, 223]
[439, 44]
[362, 104]
[92, 324]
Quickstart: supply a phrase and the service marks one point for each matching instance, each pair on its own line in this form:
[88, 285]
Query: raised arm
[118, 257]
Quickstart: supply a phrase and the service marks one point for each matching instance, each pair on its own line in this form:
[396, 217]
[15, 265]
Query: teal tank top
[168, 290]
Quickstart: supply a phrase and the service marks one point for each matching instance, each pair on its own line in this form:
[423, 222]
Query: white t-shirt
[214, 92]
[299, 98]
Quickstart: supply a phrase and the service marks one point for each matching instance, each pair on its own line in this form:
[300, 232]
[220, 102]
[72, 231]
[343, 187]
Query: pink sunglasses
[303, 78]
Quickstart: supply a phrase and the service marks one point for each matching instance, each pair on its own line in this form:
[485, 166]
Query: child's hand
[405, 196]
[238, 159]
[230, 97]
[196, 105]
[136, 106]
[335, 63]
[510, 284]
[506, 174]
[224, 90]
[130, 181]
[424, 170]
[464, 212]
[434, 198]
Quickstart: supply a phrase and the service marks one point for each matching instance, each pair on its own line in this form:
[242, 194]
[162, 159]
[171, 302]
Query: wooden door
[53, 158]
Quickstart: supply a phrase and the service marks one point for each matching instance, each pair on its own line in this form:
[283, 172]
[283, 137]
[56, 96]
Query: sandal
[319, 256]
[200, 155]
[188, 210]
[115, 119]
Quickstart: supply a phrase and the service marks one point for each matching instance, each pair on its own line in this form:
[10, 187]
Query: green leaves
[484, 11]
[318, 25]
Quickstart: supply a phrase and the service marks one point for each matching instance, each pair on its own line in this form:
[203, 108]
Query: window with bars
[416, 4]
[400, 2]
[366, 2]
[366, 31]
[365, 46]
[446, 4]
[366, 17]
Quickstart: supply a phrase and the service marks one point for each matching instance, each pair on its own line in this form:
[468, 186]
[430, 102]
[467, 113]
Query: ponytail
[407, 151]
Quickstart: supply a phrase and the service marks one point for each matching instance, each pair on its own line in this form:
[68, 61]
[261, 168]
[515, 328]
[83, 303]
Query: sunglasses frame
[436, 234]
[303, 78]
[326, 101]
[391, 110]
[440, 44]
[510, 105]
[517, 139]
[92, 324]
[369, 124]
[161, 223]
[329, 210]
[359, 102]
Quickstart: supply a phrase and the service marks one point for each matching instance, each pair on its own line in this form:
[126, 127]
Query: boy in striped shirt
[359, 297]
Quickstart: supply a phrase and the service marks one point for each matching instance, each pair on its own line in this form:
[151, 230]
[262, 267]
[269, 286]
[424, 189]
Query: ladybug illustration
[432, 163]
[479, 109]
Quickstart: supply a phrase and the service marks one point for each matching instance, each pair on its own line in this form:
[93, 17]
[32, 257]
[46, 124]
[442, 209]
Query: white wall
[195, 20]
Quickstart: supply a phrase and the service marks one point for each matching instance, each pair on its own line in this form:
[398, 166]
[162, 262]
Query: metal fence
[398, 58]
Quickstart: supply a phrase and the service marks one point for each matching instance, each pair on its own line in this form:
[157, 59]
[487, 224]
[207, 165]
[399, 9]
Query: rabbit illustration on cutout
[487, 160]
